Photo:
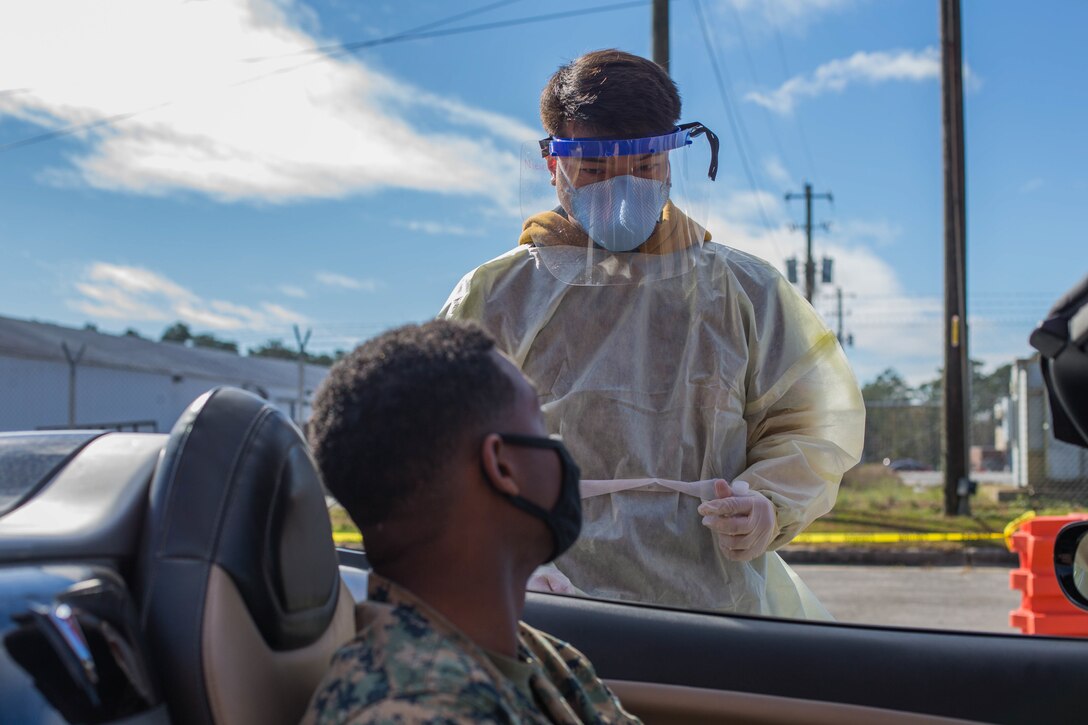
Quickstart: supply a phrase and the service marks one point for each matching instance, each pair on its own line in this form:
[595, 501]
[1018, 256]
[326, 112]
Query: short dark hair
[391, 415]
[616, 92]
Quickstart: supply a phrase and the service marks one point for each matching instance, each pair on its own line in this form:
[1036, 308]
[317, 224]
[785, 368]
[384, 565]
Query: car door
[683, 666]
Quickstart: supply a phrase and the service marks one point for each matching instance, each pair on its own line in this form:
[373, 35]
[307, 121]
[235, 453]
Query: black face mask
[565, 518]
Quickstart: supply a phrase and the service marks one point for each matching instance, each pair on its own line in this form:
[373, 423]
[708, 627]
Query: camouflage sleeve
[603, 701]
[574, 676]
[425, 708]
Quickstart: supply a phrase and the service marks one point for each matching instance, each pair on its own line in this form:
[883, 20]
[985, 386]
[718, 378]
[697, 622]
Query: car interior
[192, 578]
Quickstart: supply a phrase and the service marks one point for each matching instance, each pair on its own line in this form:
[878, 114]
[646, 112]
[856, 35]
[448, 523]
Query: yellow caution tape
[890, 538]
[354, 537]
[896, 538]
[347, 537]
[1015, 524]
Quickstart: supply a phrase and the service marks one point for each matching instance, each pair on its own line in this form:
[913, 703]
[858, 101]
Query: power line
[735, 124]
[69, 130]
[1019, 300]
[332, 51]
[786, 76]
[325, 54]
[339, 48]
[755, 79]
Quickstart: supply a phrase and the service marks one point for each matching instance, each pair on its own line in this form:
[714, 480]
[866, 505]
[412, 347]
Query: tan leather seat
[239, 588]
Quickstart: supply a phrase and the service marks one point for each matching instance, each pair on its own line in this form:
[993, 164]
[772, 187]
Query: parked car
[906, 464]
[191, 578]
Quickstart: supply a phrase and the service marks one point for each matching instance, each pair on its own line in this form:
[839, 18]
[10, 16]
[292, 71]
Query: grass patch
[341, 522]
[874, 499]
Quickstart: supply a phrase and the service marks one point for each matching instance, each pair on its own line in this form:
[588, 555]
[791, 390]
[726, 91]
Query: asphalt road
[970, 599]
[936, 478]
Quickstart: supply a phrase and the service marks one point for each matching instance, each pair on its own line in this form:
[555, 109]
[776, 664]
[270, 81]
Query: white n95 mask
[619, 213]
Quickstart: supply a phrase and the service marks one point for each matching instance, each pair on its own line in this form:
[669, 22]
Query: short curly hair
[392, 413]
[613, 91]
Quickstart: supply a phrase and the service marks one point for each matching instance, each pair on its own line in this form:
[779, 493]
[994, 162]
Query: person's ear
[497, 466]
[551, 168]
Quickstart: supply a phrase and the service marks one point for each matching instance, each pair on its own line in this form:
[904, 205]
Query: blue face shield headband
[604, 148]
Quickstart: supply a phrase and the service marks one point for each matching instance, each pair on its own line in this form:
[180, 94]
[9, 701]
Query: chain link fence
[902, 431]
[1012, 445]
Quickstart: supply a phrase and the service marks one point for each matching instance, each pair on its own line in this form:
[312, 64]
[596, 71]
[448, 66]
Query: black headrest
[236, 488]
[1062, 341]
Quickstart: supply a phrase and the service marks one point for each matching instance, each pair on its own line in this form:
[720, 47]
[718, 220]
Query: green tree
[326, 359]
[177, 332]
[897, 423]
[887, 386]
[180, 332]
[214, 343]
[274, 349]
[986, 391]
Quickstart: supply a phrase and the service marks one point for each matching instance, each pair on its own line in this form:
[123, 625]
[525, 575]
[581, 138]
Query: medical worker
[712, 411]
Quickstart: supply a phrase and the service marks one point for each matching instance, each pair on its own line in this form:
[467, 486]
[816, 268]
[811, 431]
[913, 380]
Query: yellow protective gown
[661, 384]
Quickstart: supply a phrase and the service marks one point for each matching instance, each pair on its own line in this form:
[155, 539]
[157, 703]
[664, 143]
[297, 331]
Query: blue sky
[262, 186]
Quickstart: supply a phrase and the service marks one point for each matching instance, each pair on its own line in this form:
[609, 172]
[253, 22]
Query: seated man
[435, 445]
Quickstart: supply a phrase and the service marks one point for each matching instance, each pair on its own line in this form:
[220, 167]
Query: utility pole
[301, 341]
[838, 306]
[73, 362]
[957, 485]
[660, 33]
[810, 264]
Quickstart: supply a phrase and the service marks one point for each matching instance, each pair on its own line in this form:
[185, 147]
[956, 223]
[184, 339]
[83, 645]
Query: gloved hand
[548, 578]
[743, 521]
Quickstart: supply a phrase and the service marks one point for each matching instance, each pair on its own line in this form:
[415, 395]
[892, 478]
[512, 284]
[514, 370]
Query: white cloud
[879, 233]
[137, 281]
[135, 294]
[776, 172]
[891, 326]
[435, 228]
[281, 314]
[115, 303]
[310, 128]
[1031, 185]
[292, 291]
[342, 281]
[207, 318]
[789, 15]
[861, 67]
[749, 207]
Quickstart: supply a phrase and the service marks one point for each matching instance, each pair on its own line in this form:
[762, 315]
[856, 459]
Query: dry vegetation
[873, 498]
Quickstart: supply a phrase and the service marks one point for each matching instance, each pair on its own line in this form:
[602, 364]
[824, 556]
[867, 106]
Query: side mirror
[1071, 562]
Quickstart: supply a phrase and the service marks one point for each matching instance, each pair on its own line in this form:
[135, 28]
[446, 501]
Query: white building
[1038, 459]
[122, 381]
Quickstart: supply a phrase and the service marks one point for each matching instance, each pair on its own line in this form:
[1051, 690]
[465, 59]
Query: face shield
[618, 211]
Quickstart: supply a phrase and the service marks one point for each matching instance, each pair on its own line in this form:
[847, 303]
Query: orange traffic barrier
[1043, 607]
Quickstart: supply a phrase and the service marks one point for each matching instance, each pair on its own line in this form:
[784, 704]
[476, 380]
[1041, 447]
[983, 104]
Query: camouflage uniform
[408, 664]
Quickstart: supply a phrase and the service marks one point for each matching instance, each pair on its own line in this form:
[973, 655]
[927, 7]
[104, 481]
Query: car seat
[238, 582]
